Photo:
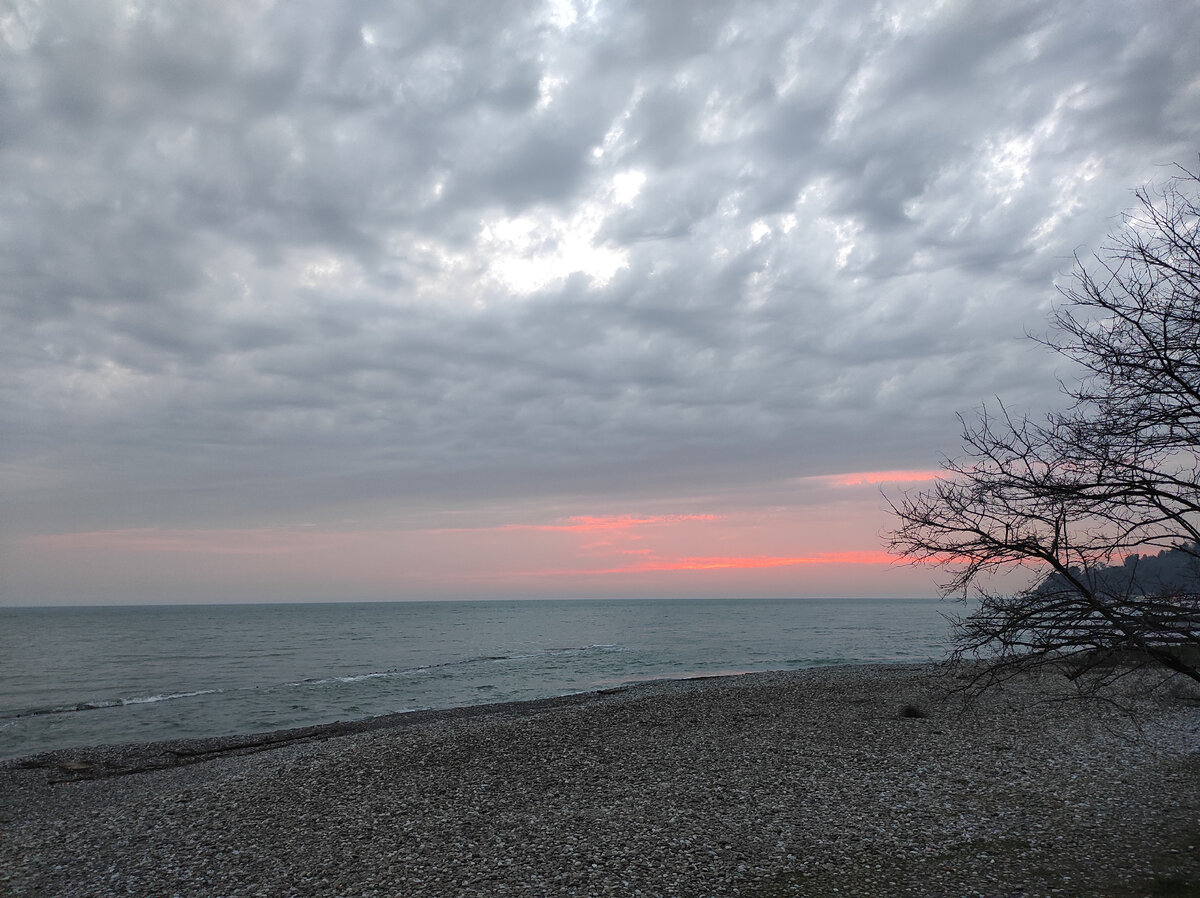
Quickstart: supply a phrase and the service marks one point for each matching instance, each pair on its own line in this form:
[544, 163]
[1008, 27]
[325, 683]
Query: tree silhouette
[1077, 493]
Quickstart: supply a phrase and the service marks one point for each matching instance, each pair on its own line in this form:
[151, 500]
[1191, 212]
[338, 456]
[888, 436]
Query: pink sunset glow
[590, 523]
[813, 549]
[742, 563]
[870, 478]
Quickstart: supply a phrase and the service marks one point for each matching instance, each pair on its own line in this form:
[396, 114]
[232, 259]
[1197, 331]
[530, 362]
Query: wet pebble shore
[790, 783]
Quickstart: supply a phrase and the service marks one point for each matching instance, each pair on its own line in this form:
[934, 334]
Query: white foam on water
[167, 697]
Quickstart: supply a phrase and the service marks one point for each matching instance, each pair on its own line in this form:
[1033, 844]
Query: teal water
[83, 676]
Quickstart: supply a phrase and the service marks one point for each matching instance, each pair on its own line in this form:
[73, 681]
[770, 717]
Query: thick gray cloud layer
[258, 258]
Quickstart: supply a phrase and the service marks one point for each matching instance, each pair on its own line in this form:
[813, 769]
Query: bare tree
[1075, 493]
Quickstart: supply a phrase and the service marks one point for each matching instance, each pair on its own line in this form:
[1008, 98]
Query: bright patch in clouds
[528, 253]
[324, 271]
[1006, 165]
[627, 185]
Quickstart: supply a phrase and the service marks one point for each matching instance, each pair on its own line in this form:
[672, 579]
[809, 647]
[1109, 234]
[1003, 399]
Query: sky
[438, 300]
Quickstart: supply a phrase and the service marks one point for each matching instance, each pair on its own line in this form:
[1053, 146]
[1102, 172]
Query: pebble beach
[879, 780]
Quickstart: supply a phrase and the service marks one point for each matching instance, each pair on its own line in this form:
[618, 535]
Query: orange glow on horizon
[712, 563]
[738, 552]
[871, 478]
[585, 523]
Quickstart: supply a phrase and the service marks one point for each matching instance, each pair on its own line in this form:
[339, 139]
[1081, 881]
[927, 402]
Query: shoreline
[764, 784]
[111, 758]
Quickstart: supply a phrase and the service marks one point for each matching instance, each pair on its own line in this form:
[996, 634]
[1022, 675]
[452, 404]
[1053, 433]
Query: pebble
[808, 782]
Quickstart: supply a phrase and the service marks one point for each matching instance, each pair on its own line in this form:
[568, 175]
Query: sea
[72, 677]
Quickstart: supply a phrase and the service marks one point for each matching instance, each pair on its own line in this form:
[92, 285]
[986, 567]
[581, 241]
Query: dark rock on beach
[856, 780]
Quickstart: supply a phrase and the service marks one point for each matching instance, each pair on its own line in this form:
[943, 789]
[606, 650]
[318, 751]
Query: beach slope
[868, 780]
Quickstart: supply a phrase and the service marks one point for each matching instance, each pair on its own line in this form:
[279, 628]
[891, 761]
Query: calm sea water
[84, 676]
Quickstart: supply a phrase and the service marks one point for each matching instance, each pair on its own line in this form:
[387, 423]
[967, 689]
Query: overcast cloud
[270, 264]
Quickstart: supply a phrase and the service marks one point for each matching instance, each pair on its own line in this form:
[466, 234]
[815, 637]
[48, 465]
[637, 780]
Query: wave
[100, 704]
[398, 672]
[423, 669]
